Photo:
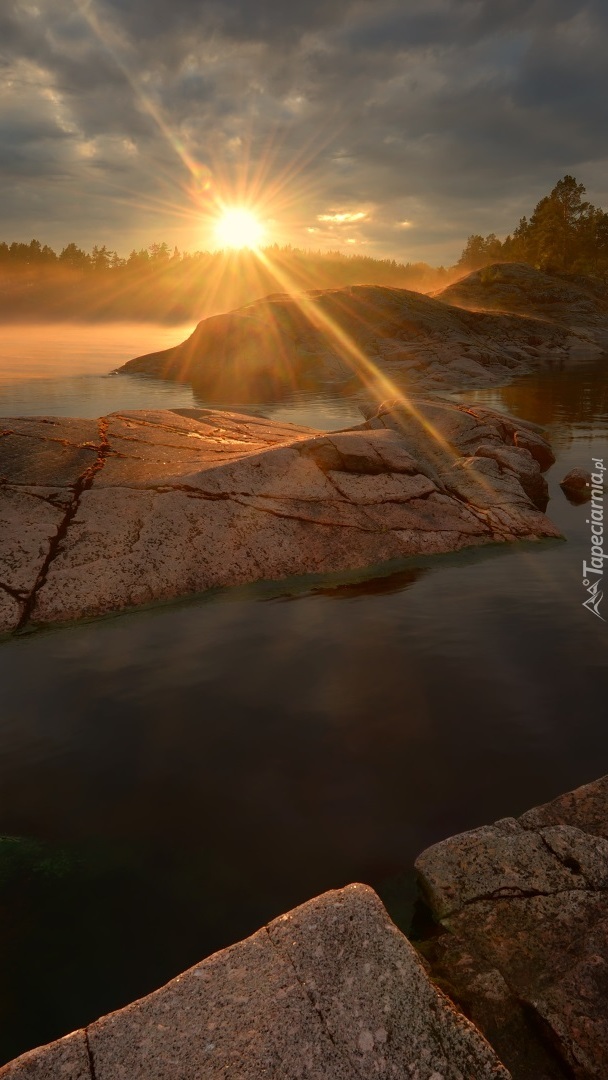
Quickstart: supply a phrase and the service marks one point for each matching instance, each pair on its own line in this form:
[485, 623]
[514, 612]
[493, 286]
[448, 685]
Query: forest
[565, 234]
[163, 284]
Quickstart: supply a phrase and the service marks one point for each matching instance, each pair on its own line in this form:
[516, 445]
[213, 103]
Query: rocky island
[167, 504]
[494, 323]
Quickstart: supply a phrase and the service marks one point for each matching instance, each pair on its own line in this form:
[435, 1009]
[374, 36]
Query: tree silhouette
[565, 233]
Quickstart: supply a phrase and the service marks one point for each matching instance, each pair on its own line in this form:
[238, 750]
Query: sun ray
[360, 363]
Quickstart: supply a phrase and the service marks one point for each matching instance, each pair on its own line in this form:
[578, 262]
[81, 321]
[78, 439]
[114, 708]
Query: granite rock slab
[150, 506]
[522, 933]
[64, 1059]
[330, 991]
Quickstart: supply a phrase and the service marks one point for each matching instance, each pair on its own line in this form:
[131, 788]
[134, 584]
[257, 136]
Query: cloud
[454, 116]
[343, 217]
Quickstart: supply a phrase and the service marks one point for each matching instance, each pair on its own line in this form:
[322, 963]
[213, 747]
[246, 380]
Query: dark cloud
[456, 115]
[267, 21]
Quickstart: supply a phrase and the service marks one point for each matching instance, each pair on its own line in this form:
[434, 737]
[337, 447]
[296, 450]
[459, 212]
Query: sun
[239, 228]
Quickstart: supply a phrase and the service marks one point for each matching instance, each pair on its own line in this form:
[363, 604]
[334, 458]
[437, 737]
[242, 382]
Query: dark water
[183, 775]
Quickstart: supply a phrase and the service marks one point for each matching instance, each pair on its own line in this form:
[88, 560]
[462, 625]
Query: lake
[179, 776]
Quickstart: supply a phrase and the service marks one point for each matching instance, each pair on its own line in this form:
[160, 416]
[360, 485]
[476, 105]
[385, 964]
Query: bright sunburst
[239, 228]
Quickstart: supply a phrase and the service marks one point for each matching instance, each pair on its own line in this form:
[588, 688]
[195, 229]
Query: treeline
[565, 234]
[164, 284]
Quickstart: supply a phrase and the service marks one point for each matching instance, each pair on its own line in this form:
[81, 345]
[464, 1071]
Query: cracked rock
[330, 991]
[526, 902]
[64, 1059]
[167, 504]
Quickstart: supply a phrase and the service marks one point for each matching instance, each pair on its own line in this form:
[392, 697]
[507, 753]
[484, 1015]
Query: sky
[392, 128]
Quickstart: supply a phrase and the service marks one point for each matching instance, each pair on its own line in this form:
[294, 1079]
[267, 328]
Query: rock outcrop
[522, 941]
[330, 991]
[576, 304]
[139, 507]
[365, 337]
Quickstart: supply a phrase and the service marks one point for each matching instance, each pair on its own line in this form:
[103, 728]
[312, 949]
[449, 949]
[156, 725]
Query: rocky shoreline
[521, 941]
[510, 980]
[511, 976]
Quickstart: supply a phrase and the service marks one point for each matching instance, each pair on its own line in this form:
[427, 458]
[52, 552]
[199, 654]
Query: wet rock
[157, 505]
[522, 913]
[330, 991]
[538, 447]
[576, 485]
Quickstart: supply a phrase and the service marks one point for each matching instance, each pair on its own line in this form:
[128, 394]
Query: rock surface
[65, 1059]
[576, 485]
[576, 304]
[330, 991]
[140, 507]
[373, 338]
[523, 942]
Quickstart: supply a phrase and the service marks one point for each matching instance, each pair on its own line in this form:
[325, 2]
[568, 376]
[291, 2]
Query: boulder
[521, 941]
[330, 991]
[141, 507]
[576, 485]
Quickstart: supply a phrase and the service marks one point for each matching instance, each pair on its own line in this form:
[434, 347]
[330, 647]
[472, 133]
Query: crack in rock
[84, 482]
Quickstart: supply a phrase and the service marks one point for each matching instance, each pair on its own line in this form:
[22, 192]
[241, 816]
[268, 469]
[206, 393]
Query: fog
[58, 350]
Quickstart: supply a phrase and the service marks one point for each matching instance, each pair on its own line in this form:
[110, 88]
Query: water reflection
[569, 395]
[64, 350]
[384, 584]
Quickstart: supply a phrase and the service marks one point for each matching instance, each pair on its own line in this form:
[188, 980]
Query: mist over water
[64, 369]
[184, 774]
[67, 370]
[67, 350]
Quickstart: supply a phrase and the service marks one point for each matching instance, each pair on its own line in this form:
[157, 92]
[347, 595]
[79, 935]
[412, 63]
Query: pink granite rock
[523, 905]
[64, 1059]
[330, 991]
[142, 507]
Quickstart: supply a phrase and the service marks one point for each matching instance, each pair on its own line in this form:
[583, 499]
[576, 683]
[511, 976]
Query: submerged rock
[522, 912]
[139, 507]
[330, 991]
[370, 338]
[576, 485]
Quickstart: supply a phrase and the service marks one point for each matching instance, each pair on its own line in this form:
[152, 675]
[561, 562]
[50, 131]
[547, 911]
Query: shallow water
[194, 770]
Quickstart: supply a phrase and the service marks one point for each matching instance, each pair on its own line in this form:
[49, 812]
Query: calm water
[30, 358]
[185, 774]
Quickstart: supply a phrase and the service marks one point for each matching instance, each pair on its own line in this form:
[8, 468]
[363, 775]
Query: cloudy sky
[391, 127]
